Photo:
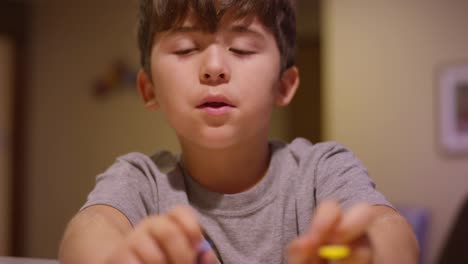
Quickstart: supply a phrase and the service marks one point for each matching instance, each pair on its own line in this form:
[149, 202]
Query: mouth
[215, 102]
[216, 105]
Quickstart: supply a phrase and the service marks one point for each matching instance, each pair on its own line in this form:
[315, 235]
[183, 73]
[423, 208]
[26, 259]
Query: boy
[216, 69]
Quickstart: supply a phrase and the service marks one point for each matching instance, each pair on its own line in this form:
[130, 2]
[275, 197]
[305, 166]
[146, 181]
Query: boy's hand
[170, 238]
[331, 226]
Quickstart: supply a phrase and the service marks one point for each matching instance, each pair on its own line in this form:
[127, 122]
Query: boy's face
[217, 89]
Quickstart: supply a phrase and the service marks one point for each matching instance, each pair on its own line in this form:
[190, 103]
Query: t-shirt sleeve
[342, 177]
[127, 186]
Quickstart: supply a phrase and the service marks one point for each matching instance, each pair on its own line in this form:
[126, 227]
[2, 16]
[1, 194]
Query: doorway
[13, 25]
[6, 89]
[306, 108]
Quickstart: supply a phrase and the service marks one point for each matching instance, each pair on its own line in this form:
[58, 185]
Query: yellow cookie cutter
[334, 252]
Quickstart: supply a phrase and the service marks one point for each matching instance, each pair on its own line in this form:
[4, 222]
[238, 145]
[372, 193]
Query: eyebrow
[245, 29]
[184, 29]
[234, 29]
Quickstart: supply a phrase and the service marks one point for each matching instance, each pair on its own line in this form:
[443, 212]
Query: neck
[230, 170]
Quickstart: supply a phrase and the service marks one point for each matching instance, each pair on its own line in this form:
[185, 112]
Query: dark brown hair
[279, 16]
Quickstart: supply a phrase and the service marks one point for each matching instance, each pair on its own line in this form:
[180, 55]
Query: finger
[353, 224]
[146, 248]
[188, 222]
[299, 252]
[361, 252]
[123, 255]
[175, 245]
[360, 255]
[207, 257]
[324, 221]
[325, 218]
[126, 259]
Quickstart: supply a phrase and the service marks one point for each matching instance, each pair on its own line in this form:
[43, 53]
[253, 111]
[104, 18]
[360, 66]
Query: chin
[217, 143]
[223, 137]
[217, 139]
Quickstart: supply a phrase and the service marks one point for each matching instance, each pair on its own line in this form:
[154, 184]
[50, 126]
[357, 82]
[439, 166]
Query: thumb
[354, 224]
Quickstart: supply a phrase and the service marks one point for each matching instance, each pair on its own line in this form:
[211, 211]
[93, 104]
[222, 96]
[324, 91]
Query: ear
[287, 86]
[146, 89]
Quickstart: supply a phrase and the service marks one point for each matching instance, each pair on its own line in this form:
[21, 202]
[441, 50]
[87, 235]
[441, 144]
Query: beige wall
[6, 91]
[71, 135]
[380, 65]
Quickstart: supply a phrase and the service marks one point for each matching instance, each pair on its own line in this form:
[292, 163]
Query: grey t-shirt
[254, 226]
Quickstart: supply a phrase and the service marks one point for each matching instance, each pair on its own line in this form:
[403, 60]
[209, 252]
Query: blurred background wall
[72, 133]
[381, 60]
[368, 70]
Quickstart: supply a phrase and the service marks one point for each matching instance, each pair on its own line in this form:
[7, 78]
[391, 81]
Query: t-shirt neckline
[237, 204]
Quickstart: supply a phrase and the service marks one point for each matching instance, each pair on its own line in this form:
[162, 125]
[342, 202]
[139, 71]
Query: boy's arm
[102, 235]
[93, 234]
[392, 237]
[376, 234]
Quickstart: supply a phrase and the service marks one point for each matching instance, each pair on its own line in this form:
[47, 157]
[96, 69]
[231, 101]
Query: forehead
[227, 22]
[228, 30]
[207, 14]
[230, 18]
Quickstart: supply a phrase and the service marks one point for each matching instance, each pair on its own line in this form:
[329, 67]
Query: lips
[215, 101]
[216, 105]
[213, 105]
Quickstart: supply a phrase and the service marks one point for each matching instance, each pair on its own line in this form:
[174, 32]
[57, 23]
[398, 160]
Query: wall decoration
[453, 109]
[120, 76]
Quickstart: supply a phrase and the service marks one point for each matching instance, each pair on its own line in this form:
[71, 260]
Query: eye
[185, 51]
[241, 51]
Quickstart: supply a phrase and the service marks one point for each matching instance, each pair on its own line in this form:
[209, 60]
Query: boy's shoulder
[306, 160]
[137, 165]
[302, 149]
[164, 160]
[303, 144]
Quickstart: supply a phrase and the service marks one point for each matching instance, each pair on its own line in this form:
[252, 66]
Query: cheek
[172, 81]
[259, 99]
[259, 82]
[167, 65]
[165, 70]
[263, 71]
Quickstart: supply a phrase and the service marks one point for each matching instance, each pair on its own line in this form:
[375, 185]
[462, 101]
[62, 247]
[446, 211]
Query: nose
[214, 69]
